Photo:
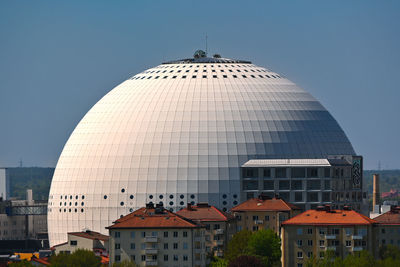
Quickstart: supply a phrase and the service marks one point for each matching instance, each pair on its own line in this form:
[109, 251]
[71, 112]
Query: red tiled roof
[205, 213]
[147, 218]
[260, 204]
[90, 235]
[332, 217]
[389, 218]
[43, 261]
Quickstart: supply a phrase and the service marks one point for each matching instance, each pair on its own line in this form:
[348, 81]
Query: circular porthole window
[224, 196]
[181, 196]
[182, 203]
[151, 196]
[192, 196]
[81, 210]
[235, 196]
[131, 196]
[224, 209]
[83, 203]
[105, 196]
[83, 197]
[122, 203]
[171, 203]
[235, 202]
[161, 196]
[122, 190]
[224, 203]
[171, 196]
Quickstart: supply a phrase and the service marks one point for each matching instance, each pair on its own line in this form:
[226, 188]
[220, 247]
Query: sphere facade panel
[178, 133]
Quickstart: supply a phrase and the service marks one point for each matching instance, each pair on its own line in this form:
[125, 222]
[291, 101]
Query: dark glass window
[267, 172]
[298, 172]
[312, 172]
[280, 173]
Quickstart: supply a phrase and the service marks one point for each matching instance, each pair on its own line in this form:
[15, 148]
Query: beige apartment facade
[219, 226]
[153, 236]
[263, 212]
[315, 232]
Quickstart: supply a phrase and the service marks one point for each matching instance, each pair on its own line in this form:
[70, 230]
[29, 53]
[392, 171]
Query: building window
[309, 242]
[216, 226]
[362, 232]
[143, 257]
[175, 234]
[175, 257]
[312, 172]
[298, 172]
[165, 245]
[143, 234]
[175, 245]
[309, 254]
[132, 245]
[299, 243]
[117, 258]
[299, 231]
[299, 254]
[117, 234]
[267, 217]
[349, 231]
[255, 228]
[335, 231]
[73, 242]
[322, 254]
[165, 234]
[322, 231]
[280, 173]
[185, 245]
[322, 243]
[165, 257]
[267, 172]
[348, 243]
[298, 196]
[143, 246]
[133, 257]
[117, 246]
[132, 234]
[309, 231]
[185, 234]
[185, 258]
[255, 217]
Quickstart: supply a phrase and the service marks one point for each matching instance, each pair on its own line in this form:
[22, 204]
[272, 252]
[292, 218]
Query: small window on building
[117, 246]
[117, 234]
[73, 242]
[299, 254]
[280, 173]
[299, 231]
[133, 246]
[175, 234]
[117, 258]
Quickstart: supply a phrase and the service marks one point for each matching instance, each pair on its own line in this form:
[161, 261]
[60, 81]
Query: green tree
[238, 245]
[247, 261]
[23, 263]
[389, 251]
[218, 262]
[80, 258]
[359, 259]
[266, 245]
[125, 263]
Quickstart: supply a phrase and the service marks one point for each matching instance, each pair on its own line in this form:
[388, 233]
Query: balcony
[151, 263]
[150, 239]
[356, 237]
[331, 248]
[357, 248]
[330, 237]
[220, 242]
[151, 251]
[219, 231]
[258, 222]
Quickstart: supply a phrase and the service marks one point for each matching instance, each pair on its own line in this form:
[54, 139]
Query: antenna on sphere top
[206, 45]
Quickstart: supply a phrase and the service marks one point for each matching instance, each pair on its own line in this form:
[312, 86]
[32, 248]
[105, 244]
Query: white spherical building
[178, 133]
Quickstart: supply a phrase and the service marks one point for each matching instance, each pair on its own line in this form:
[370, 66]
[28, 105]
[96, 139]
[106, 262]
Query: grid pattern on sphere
[163, 137]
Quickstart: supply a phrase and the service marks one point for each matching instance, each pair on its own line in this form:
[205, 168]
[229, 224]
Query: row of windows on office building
[165, 257]
[143, 234]
[295, 172]
[253, 184]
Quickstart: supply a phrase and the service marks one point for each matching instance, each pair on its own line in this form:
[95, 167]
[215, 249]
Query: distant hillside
[388, 179]
[35, 178]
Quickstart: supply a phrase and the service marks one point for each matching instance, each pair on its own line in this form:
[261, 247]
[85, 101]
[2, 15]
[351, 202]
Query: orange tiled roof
[260, 204]
[90, 235]
[147, 218]
[332, 217]
[391, 217]
[204, 213]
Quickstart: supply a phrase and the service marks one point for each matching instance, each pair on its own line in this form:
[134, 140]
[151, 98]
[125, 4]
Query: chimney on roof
[189, 206]
[375, 192]
[328, 208]
[150, 205]
[203, 205]
[263, 196]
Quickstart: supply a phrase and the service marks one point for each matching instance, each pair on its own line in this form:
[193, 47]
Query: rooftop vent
[199, 54]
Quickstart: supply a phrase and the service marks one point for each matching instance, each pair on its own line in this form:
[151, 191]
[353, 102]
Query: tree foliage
[23, 263]
[238, 245]
[263, 244]
[218, 262]
[246, 261]
[80, 258]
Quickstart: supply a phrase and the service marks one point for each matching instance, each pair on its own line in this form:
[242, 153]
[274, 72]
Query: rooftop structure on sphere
[179, 133]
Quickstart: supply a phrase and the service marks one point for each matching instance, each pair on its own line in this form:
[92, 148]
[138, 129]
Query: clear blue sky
[58, 58]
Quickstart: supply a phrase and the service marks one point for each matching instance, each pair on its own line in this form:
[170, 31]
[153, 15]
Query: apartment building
[263, 212]
[220, 226]
[154, 236]
[89, 240]
[314, 232]
[388, 227]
